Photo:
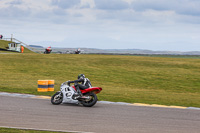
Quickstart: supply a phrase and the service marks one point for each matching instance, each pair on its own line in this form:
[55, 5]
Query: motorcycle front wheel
[91, 102]
[57, 98]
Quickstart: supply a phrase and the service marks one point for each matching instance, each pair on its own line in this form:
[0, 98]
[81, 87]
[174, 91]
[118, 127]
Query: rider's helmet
[81, 76]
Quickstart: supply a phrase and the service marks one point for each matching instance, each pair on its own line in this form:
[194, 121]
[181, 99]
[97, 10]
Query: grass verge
[132, 79]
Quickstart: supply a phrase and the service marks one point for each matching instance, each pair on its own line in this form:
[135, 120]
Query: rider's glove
[68, 82]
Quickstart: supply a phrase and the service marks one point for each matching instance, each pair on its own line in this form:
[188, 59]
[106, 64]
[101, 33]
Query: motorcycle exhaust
[86, 98]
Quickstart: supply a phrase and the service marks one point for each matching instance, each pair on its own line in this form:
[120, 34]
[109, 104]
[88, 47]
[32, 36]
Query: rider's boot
[78, 94]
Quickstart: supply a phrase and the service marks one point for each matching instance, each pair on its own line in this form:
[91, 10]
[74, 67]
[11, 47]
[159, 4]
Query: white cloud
[187, 7]
[65, 4]
[142, 24]
[87, 3]
[111, 4]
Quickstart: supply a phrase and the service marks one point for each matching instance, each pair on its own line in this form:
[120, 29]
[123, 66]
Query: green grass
[4, 44]
[132, 79]
[169, 56]
[12, 130]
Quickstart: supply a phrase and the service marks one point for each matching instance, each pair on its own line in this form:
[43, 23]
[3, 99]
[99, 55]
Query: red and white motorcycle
[67, 94]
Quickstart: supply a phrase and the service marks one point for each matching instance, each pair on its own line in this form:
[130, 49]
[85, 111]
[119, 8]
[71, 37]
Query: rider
[85, 83]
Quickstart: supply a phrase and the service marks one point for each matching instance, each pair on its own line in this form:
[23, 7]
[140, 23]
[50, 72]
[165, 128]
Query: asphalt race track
[102, 118]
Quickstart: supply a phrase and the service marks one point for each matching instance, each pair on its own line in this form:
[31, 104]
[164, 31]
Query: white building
[14, 47]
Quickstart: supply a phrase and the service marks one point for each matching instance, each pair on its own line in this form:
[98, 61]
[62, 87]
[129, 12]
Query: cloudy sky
[121, 24]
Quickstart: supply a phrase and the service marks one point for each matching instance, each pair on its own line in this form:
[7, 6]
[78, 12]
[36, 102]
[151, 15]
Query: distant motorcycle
[48, 50]
[67, 95]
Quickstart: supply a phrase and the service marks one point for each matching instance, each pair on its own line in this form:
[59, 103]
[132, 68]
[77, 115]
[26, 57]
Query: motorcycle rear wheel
[56, 99]
[91, 102]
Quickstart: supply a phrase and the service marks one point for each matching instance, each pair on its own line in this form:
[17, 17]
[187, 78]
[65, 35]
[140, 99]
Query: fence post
[11, 37]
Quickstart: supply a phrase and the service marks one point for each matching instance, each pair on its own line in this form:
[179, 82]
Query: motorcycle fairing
[68, 92]
[92, 89]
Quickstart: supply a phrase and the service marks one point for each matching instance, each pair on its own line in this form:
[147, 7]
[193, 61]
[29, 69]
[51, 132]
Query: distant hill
[36, 46]
[4, 45]
[123, 51]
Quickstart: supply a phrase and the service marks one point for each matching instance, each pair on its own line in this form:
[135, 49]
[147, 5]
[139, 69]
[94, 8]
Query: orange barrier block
[42, 85]
[50, 85]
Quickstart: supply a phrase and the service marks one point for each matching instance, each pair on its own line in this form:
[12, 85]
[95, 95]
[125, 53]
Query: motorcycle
[68, 94]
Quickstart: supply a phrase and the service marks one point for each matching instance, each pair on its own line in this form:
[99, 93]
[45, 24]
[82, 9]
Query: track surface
[102, 118]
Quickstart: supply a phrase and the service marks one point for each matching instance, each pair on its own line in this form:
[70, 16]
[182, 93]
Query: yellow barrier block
[42, 85]
[50, 85]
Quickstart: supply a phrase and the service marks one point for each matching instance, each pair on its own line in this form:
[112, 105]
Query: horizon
[112, 49]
